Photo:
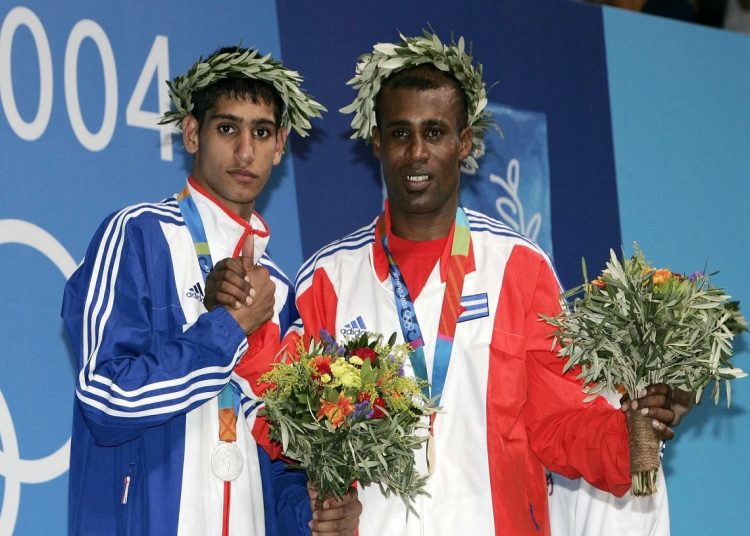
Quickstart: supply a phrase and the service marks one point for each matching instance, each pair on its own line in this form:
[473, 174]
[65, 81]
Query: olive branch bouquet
[635, 325]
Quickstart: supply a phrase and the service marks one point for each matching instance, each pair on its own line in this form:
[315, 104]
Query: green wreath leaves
[299, 106]
[388, 58]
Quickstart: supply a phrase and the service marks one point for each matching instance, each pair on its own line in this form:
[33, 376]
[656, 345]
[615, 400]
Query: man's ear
[281, 135]
[190, 130]
[376, 142]
[465, 142]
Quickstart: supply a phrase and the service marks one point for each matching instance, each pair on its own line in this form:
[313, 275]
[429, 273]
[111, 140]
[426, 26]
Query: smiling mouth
[417, 178]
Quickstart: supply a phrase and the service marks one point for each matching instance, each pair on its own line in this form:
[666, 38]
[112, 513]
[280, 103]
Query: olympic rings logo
[15, 470]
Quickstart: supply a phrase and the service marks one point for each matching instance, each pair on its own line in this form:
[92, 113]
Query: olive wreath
[299, 106]
[375, 67]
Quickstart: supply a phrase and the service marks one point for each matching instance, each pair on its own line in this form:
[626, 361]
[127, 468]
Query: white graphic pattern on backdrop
[13, 469]
[510, 207]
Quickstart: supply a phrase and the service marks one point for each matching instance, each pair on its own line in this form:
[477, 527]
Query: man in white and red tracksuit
[437, 274]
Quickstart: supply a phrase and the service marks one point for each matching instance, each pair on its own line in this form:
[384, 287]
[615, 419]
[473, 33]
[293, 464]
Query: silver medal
[226, 461]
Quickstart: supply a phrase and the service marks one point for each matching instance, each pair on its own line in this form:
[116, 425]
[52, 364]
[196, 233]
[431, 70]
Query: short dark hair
[236, 87]
[423, 78]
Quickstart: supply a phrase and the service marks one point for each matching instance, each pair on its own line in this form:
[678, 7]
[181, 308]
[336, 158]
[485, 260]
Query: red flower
[321, 365]
[336, 411]
[365, 353]
[377, 408]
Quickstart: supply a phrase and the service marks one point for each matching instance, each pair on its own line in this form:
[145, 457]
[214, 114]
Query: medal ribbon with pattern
[229, 397]
[449, 313]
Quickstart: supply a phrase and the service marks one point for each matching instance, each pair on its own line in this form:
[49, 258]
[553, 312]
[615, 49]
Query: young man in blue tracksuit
[165, 436]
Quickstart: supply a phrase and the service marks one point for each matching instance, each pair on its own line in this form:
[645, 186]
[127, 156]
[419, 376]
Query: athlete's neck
[419, 227]
[241, 210]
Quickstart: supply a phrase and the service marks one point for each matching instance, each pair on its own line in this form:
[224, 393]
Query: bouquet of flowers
[633, 326]
[346, 412]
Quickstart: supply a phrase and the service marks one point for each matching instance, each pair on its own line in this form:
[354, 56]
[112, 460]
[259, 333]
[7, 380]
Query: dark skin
[665, 405]
[682, 402]
[654, 402]
[420, 145]
[334, 516]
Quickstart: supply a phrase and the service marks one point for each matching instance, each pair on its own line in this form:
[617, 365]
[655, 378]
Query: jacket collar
[225, 231]
[380, 261]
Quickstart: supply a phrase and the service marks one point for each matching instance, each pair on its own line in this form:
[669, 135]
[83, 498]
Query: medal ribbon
[229, 398]
[449, 313]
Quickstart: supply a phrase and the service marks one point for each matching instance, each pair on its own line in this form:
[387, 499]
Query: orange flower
[599, 282]
[337, 411]
[661, 276]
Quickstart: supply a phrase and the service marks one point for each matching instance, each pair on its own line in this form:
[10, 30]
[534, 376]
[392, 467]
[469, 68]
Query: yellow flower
[339, 368]
[354, 360]
[345, 373]
[351, 379]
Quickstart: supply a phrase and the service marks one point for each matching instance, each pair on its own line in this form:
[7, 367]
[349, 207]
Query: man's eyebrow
[262, 121]
[226, 117]
[424, 123]
[398, 123]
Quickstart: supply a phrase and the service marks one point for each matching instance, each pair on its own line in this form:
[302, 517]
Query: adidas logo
[355, 327]
[196, 291]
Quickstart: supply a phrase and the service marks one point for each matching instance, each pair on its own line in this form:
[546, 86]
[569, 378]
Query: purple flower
[362, 409]
[331, 346]
[695, 276]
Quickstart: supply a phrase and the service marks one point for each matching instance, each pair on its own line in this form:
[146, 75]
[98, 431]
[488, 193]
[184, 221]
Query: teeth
[416, 178]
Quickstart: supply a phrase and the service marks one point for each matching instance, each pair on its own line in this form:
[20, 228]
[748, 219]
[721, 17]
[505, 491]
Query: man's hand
[244, 289]
[654, 402]
[228, 284]
[334, 517]
[681, 403]
[251, 317]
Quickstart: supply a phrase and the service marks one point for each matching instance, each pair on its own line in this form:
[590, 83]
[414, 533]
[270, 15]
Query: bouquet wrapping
[633, 326]
[346, 412]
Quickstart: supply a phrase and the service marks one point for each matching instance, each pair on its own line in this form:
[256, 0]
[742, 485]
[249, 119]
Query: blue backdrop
[607, 139]
[681, 117]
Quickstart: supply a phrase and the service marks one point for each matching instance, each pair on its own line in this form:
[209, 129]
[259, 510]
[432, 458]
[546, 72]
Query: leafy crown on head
[299, 106]
[375, 67]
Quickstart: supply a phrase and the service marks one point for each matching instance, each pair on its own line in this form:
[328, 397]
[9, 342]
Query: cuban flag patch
[474, 306]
